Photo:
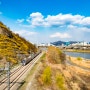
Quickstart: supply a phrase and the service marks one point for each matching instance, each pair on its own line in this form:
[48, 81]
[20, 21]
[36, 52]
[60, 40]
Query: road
[17, 77]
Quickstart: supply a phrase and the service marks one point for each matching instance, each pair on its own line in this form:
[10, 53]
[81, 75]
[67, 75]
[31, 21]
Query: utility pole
[8, 75]
[7, 68]
[83, 50]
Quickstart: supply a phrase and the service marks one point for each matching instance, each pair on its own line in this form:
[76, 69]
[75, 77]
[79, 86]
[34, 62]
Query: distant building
[45, 44]
[67, 43]
[80, 44]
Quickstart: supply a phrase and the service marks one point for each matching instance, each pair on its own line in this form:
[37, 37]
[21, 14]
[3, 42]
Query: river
[78, 54]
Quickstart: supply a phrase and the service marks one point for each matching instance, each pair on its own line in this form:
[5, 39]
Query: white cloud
[76, 28]
[36, 14]
[60, 35]
[25, 33]
[86, 21]
[62, 19]
[37, 19]
[20, 20]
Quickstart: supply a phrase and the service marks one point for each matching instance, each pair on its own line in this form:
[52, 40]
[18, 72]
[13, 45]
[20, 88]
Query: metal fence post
[8, 75]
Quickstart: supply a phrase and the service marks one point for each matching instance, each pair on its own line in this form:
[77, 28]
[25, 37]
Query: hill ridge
[12, 46]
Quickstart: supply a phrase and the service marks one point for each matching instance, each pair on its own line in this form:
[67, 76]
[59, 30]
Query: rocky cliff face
[6, 32]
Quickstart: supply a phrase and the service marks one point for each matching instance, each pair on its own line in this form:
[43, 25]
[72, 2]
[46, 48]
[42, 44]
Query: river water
[78, 54]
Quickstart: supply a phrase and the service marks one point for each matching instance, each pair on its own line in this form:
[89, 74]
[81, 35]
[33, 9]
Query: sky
[45, 21]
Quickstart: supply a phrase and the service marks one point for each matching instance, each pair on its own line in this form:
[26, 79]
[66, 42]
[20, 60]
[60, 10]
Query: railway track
[16, 75]
[1, 74]
[11, 74]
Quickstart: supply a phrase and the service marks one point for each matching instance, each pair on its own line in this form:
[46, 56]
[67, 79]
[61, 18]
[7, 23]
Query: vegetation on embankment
[30, 75]
[12, 46]
[49, 77]
[55, 55]
[53, 74]
[79, 58]
[79, 61]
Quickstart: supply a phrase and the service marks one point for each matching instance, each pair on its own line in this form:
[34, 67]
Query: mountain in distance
[13, 47]
[58, 43]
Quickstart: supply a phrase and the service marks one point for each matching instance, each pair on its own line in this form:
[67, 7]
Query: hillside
[13, 47]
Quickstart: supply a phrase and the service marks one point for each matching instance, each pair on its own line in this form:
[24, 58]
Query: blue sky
[41, 21]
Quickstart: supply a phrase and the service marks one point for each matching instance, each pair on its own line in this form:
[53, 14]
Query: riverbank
[65, 76]
[79, 61]
[74, 50]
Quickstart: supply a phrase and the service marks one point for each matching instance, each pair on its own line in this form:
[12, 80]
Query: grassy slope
[12, 46]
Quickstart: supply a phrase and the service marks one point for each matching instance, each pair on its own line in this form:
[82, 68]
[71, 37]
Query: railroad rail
[16, 75]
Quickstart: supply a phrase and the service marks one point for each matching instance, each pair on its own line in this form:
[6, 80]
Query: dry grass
[52, 76]
[80, 62]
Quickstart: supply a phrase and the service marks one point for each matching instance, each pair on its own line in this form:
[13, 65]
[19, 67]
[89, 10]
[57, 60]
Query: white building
[81, 44]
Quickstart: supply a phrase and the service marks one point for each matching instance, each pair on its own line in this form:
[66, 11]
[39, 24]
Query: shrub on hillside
[12, 45]
[46, 76]
[60, 81]
[1, 57]
[55, 55]
[79, 58]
